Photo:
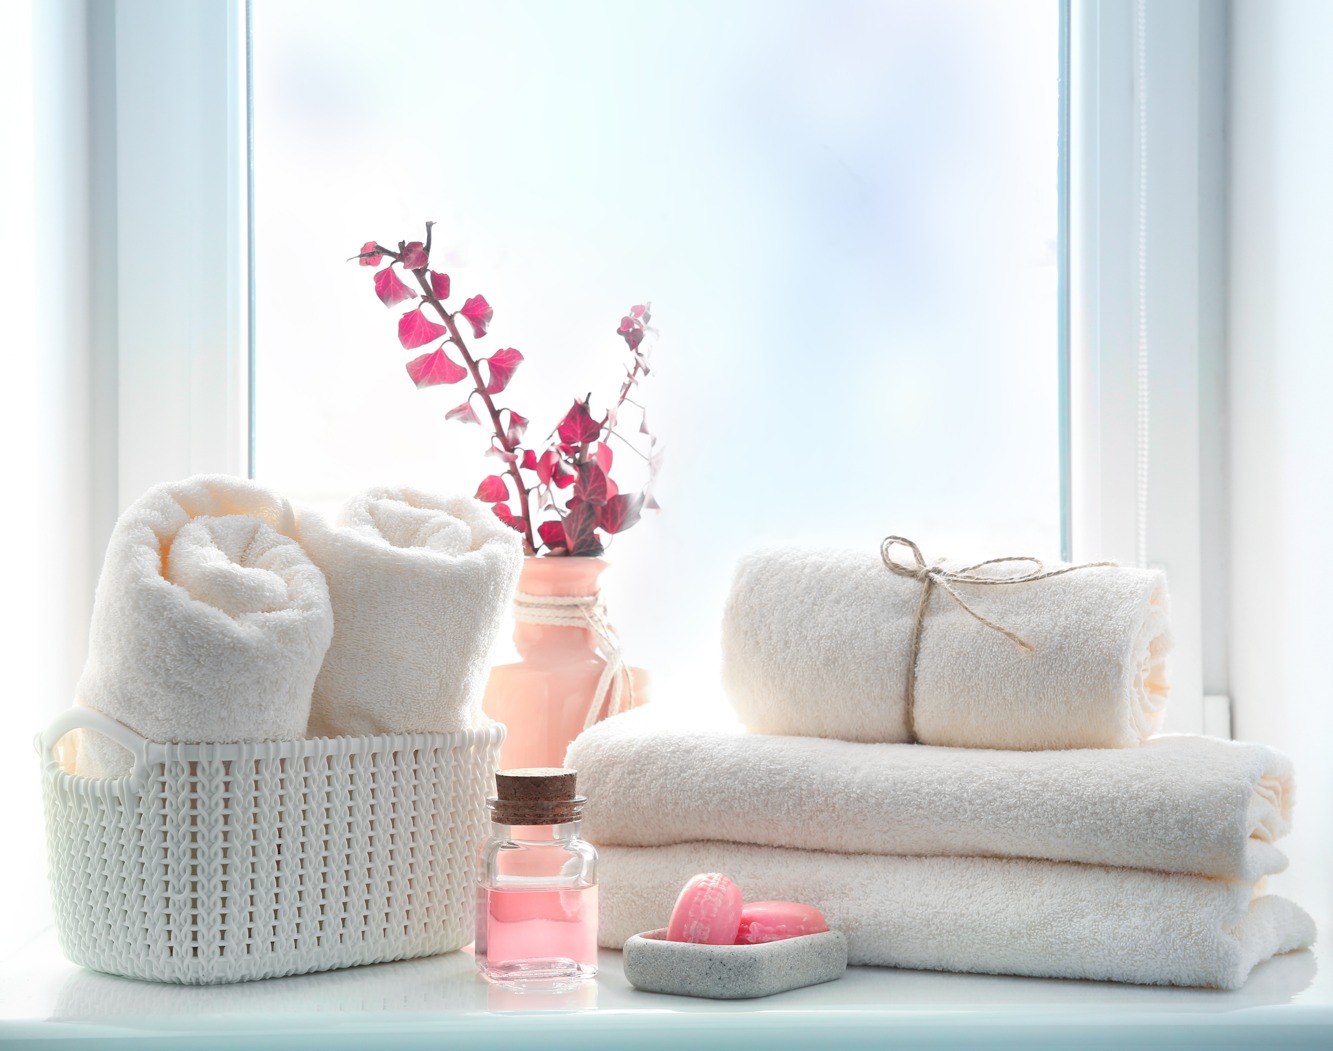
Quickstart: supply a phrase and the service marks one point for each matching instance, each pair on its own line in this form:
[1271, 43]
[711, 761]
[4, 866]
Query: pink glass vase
[544, 698]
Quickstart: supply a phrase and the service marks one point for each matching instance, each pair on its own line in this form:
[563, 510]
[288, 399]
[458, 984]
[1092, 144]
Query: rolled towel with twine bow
[887, 646]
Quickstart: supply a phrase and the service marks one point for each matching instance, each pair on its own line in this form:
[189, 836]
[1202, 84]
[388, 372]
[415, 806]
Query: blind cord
[1142, 433]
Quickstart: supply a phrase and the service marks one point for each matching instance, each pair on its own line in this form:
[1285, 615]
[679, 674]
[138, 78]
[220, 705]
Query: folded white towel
[818, 643]
[1178, 804]
[982, 915]
[209, 623]
[419, 585]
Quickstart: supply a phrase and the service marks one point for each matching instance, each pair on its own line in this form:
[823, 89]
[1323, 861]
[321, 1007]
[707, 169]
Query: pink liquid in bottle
[537, 932]
[536, 883]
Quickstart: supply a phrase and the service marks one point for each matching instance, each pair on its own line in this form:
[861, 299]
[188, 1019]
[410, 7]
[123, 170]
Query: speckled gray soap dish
[733, 972]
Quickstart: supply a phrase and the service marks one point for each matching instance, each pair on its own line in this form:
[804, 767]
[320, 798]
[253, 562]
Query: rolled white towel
[818, 644]
[419, 585]
[1194, 805]
[209, 622]
[980, 915]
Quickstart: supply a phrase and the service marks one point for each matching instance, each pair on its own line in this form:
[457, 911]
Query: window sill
[1287, 1003]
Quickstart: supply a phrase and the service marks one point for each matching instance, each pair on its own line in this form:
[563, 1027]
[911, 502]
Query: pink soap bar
[771, 921]
[708, 911]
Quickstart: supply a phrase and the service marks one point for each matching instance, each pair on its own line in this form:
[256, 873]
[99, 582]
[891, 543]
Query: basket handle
[80, 718]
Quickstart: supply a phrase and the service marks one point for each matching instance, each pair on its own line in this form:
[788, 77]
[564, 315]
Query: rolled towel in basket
[1194, 805]
[419, 585]
[980, 915]
[820, 644]
[209, 622]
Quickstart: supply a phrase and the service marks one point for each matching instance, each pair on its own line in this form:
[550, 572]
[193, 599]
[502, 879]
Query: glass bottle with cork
[536, 882]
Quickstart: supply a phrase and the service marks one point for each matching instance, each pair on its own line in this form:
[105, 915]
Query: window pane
[843, 213]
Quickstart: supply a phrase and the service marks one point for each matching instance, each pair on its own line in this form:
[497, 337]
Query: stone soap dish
[733, 972]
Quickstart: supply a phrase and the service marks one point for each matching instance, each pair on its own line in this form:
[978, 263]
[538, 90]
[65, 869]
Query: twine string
[614, 692]
[933, 575]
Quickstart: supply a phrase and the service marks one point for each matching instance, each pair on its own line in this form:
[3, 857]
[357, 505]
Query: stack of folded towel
[223, 615]
[1070, 858]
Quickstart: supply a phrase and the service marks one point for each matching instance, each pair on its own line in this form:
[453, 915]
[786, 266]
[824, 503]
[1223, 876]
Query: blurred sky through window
[843, 213]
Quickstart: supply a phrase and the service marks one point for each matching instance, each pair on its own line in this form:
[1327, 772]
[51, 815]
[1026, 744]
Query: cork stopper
[537, 796]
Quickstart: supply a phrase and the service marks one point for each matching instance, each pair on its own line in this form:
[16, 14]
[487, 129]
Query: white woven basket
[216, 863]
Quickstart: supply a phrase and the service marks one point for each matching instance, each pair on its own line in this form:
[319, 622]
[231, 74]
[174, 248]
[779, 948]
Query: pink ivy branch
[580, 458]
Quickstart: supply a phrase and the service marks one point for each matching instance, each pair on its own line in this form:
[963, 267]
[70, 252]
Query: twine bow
[585, 611]
[934, 575]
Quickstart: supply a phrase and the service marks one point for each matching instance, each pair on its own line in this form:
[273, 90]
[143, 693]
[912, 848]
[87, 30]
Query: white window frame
[182, 260]
[1168, 156]
[184, 314]
[151, 175]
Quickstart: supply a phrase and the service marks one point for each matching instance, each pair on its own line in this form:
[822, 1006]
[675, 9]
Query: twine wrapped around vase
[614, 692]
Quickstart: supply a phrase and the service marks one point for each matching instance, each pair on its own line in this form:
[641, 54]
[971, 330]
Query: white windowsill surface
[440, 1003]
[49, 1003]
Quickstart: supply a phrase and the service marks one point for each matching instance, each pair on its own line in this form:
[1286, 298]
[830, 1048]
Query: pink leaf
[620, 512]
[529, 460]
[581, 530]
[439, 284]
[546, 466]
[578, 426]
[632, 329]
[492, 489]
[370, 257]
[414, 256]
[501, 453]
[463, 413]
[651, 504]
[518, 426]
[434, 368]
[591, 485]
[552, 534]
[416, 330]
[643, 425]
[611, 488]
[508, 517]
[602, 454]
[390, 289]
[564, 477]
[502, 365]
[479, 312]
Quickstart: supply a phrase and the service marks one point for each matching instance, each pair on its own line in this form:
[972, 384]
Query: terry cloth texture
[209, 623]
[981, 915]
[818, 643]
[1178, 804]
[419, 585]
